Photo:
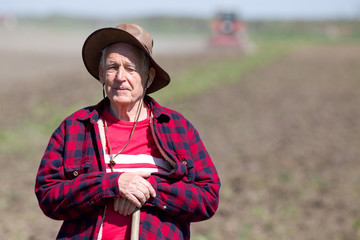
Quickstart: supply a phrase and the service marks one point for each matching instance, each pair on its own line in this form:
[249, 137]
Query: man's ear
[151, 77]
[101, 74]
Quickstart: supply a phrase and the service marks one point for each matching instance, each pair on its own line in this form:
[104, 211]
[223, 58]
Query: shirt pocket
[79, 155]
[75, 167]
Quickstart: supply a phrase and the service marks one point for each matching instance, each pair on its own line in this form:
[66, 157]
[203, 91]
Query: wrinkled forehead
[125, 50]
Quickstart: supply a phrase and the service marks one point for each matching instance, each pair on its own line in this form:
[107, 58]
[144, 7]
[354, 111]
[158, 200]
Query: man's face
[123, 74]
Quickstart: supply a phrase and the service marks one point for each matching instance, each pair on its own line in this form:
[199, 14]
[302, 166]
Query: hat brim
[98, 40]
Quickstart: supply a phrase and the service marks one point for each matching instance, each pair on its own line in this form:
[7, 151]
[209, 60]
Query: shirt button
[75, 173]
[184, 162]
[164, 207]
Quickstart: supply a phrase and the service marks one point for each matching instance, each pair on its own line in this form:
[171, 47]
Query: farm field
[284, 136]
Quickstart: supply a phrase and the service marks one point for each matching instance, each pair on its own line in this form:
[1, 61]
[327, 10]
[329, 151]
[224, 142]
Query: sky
[250, 9]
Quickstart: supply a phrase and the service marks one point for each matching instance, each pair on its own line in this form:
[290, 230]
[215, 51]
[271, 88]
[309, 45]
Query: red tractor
[228, 31]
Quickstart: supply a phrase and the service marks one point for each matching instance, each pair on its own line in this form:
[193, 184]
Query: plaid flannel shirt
[72, 185]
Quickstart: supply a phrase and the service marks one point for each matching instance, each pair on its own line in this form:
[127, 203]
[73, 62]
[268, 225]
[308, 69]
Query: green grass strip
[205, 76]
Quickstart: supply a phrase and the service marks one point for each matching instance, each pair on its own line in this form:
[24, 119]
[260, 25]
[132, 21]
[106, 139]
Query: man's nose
[120, 75]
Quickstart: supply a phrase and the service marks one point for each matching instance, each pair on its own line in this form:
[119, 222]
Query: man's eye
[111, 68]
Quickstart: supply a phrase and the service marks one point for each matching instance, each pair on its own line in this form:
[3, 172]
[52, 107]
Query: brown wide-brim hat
[124, 33]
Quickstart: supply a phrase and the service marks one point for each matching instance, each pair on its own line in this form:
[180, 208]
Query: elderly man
[127, 152]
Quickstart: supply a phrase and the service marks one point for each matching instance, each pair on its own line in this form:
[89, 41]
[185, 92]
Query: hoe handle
[135, 225]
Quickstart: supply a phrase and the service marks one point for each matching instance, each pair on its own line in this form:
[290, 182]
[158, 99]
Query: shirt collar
[93, 113]
[158, 111]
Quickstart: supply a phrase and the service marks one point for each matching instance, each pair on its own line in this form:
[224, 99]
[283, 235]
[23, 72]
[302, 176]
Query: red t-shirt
[141, 154]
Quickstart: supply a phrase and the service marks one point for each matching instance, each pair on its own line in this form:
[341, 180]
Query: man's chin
[121, 100]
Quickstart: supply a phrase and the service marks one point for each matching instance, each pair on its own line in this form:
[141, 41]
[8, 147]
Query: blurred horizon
[250, 10]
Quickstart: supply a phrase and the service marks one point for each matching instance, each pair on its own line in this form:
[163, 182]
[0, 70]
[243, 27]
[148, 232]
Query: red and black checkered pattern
[72, 185]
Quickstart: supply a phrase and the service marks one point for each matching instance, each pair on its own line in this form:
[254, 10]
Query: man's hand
[135, 188]
[123, 206]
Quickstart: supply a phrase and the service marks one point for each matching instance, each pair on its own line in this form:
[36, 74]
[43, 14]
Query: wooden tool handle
[135, 225]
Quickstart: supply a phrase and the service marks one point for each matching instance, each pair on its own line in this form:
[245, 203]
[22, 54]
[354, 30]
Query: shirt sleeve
[66, 195]
[191, 191]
